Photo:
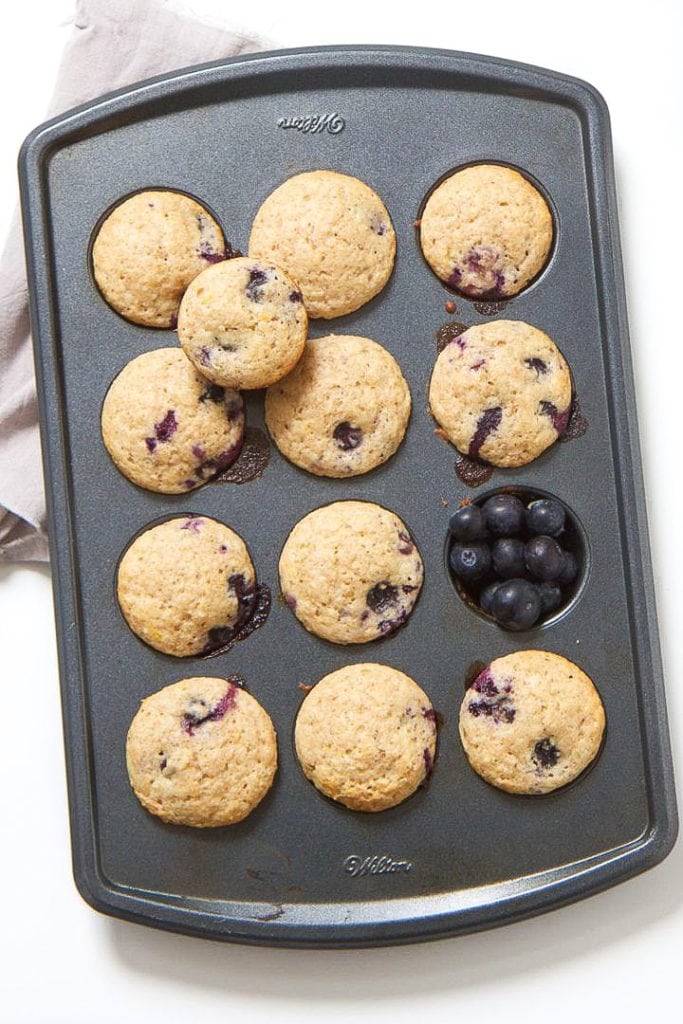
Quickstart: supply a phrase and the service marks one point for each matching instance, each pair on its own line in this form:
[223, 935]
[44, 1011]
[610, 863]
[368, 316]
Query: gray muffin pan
[459, 855]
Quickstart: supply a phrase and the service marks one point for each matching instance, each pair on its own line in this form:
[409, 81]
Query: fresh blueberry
[503, 515]
[550, 594]
[545, 516]
[470, 562]
[516, 604]
[544, 557]
[467, 523]
[569, 570]
[507, 556]
[487, 595]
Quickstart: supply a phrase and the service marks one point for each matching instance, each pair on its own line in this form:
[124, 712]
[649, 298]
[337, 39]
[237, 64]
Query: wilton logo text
[314, 124]
[378, 865]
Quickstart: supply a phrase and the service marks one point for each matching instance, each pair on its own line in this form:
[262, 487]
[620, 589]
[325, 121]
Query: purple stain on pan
[220, 636]
[428, 761]
[487, 424]
[448, 333]
[253, 610]
[577, 425]
[219, 463]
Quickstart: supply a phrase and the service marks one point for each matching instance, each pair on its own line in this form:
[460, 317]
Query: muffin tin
[459, 855]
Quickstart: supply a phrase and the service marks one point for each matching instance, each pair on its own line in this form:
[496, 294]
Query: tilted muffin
[342, 410]
[365, 736]
[166, 427]
[351, 572]
[243, 323]
[531, 722]
[486, 231]
[501, 392]
[147, 251]
[187, 585]
[201, 752]
[333, 233]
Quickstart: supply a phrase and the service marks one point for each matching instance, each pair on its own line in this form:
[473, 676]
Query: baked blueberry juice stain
[577, 424]
[254, 606]
[251, 462]
[447, 333]
[471, 472]
[194, 718]
[490, 308]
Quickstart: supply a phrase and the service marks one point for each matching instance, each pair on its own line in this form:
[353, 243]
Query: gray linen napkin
[112, 45]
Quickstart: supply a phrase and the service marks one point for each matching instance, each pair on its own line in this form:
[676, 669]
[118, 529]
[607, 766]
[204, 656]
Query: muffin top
[333, 233]
[486, 231]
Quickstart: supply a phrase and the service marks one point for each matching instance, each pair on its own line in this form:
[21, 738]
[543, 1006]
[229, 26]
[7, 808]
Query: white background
[614, 956]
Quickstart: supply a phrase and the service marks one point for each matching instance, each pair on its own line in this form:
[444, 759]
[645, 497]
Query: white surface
[616, 954]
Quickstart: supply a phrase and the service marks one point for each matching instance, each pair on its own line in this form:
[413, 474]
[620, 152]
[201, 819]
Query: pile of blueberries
[514, 560]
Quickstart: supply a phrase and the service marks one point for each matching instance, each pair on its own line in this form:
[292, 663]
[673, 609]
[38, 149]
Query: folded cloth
[112, 46]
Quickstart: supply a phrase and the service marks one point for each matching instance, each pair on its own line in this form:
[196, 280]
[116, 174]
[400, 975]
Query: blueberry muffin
[501, 392]
[186, 586]
[147, 251]
[486, 231]
[366, 736]
[243, 323]
[351, 572]
[201, 752]
[166, 427]
[531, 722]
[332, 232]
[343, 410]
